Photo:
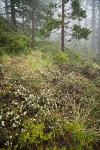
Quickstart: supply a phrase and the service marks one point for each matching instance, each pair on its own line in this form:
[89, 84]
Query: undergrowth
[12, 42]
[48, 104]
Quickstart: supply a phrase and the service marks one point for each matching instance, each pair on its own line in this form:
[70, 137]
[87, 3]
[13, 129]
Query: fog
[91, 21]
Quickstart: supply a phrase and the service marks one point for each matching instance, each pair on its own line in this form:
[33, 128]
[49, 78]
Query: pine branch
[5, 13]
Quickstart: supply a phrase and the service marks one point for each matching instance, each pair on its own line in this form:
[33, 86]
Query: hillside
[49, 100]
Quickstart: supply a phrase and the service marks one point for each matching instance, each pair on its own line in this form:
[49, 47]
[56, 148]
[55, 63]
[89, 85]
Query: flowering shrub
[49, 97]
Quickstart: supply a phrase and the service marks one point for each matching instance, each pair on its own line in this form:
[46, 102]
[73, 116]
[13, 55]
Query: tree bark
[6, 9]
[93, 24]
[33, 26]
[99, 27]
[62, 28]
[13, 15]
[86, 7]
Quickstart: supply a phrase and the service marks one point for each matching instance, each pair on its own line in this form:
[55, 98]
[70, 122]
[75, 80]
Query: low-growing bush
[60, 58]
[12, 42]
[48, 100]
[65, 104]
[33, 136]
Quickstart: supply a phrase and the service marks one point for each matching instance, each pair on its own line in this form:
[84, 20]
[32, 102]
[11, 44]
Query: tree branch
[5, 13]
[55, 30]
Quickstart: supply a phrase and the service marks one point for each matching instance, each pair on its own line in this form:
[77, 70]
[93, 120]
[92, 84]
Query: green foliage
[83, 66]
[40, 61]
[55, 55]
[81, 139]
[77, 11]
[12, 42]
[60, 57]
[56, 148]
[33, 134]
[50, 24]
[97, 81]
[47, 59]
[48, 106]
[80, 32]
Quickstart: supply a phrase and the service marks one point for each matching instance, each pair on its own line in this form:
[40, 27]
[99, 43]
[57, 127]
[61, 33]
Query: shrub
[62, 104]
[60, 57]
[12, 42]
[33, 136]
[80, 138]
[55, 53]
[48, 97]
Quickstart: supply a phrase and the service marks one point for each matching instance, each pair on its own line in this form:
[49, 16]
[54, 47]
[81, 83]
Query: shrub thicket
[12, 42]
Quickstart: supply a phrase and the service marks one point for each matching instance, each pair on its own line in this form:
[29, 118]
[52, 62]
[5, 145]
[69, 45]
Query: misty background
[92, 22]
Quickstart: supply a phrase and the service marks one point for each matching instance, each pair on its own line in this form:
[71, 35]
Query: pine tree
[7, 9]
[98, 27]
[93, 24]
[30, 13]
[70, 10]
[13, 13]
[62, 27]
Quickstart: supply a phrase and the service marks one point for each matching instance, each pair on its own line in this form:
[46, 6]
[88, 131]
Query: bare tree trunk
[86, 7]
[13, 15]
[23, 19]
[99, 27]
[62, 28]
[33, 26]
[6, 9]
[93, 24]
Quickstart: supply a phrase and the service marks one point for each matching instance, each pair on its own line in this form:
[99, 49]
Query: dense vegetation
[49, 100]
[12, 42]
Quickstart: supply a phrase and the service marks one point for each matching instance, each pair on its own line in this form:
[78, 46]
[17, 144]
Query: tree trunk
[23, 20]
[13, 15]
[86, 7]
[93, 24]
[99, 27]
[33, 26]
[62, 28]
[6, 9]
